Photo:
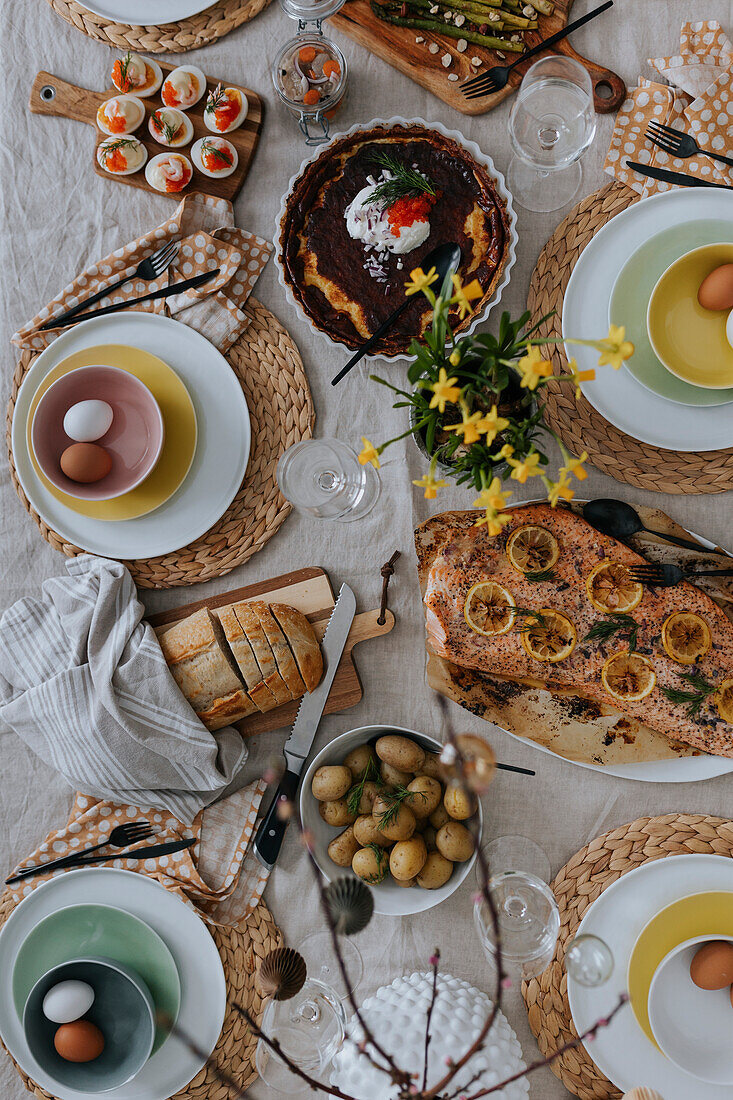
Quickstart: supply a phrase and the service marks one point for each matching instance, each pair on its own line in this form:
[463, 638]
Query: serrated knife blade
[271, 831]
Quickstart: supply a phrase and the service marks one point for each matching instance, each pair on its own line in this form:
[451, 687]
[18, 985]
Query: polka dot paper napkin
[696, 98]
[205, 227]
[219, 877]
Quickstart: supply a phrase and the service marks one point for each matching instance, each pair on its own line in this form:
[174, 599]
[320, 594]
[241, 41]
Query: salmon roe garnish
[332, 68]
[116, 161]
[408, 210]
[225, 113]
[118, 79]
[116, 123]
[169, 96]
[311, 97]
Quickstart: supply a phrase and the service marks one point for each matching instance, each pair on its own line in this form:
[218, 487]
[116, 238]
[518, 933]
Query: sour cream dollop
[368, 221]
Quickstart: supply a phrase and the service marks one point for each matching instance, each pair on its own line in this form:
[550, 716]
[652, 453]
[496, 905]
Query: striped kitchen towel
[84, 683]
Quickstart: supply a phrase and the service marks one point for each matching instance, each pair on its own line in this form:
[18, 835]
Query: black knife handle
[272, 827]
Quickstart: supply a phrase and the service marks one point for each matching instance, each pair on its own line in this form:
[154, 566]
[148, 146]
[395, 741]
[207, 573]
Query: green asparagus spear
[491, 42]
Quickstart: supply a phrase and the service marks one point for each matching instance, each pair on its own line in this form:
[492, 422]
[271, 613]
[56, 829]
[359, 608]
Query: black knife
[166, 292]
[680, 178]
[150, 852]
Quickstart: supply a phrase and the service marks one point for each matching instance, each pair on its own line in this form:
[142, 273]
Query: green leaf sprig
[692, 700]
[617, 625]
[405, 180]
[381, 857]
[540, 575]
[353, 798]
[394, 797]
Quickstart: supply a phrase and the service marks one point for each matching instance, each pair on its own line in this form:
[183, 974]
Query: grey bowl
[123, 1010]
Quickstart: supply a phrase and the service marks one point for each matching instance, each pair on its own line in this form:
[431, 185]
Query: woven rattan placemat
[577, 422]
[576, 887]
[188, 34]
[271, 373]
[241, 949]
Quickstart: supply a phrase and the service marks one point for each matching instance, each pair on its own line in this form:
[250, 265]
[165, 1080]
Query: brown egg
[80, 1041]
[85, 462]
[712, 965]
[716, 289]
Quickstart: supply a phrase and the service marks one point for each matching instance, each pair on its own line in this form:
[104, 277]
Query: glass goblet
[528, 923]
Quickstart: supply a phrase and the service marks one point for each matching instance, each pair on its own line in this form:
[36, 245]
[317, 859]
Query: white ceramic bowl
[390, 899]
[693, 1027]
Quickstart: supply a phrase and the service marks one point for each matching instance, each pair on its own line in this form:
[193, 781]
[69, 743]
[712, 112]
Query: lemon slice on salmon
[551, 638]
[532, 549]
[610, 588]
[628, 676]
[686, 637]
[489, 608]
[724, 700]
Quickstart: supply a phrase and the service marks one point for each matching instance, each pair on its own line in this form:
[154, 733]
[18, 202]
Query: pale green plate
[82, 930]
[630, 299]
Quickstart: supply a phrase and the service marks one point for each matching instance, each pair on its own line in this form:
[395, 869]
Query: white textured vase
[396, 1015]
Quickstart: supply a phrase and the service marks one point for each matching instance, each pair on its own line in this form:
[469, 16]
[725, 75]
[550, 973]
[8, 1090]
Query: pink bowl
[134, 440]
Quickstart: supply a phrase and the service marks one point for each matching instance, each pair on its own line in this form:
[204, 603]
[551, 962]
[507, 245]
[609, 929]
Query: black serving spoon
[619, 520]
[445, 259]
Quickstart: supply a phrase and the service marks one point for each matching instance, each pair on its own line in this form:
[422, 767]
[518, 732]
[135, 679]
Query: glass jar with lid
[309, 73]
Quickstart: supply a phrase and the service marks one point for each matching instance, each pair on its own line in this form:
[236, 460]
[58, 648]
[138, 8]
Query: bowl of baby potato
[378, 806]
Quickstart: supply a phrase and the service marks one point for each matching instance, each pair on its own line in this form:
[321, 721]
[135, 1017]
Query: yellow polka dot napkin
[219, 877]
[205, 227]
[696, 98]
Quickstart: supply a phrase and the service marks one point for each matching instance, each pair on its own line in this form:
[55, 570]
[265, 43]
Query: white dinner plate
[147, 13]
[203, 986]
[222, 451]
[616, 395]
[622, 1051]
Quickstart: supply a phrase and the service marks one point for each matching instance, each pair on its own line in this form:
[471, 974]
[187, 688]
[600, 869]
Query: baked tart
[368, 210]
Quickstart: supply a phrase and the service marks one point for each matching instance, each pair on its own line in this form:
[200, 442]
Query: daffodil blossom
[559, 490]
[524, 468]
[533, 368]
[574, 467]
[469, 427]
[369, 453]
[430, 483]
[444, 390]
[493, 501]
[420, 281]
[464, 295]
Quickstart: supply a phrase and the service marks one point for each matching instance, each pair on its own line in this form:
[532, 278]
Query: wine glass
[552, 123]
[588, 960]
[320, 960]
[310, 1028]
[528, 923]
[324, 478]
[515, 853]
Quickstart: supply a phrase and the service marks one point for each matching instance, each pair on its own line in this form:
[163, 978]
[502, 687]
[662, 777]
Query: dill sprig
[394, 796]
[618, 624]
[208, 147]
[381, 857]
[693, 700]
[167, 129]
[405, 180]
[526, 618]
[118, 143]
[124, 72]
[353, 798]
[216, 98]
[540, 575]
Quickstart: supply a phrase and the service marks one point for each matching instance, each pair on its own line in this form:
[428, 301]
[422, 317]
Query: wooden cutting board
[52, 96]
[308, 590]
[397, 46]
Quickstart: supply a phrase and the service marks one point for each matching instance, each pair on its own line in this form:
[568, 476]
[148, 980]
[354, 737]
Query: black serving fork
[150, 268]
[120, 837]
[679, 144]
[658, 575]
[495, 79]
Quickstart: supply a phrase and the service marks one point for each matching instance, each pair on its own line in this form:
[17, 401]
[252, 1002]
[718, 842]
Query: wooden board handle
[609, 90]
[52, 96]
[364, 626]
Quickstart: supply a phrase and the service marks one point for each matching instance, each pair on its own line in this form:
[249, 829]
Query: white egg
[183, 87]
[144, 76]
[88, 420]
[729, 328]
[67, 1001]
[210, 110]
[169, 120]
[169, 173]
[129, 149]
[120, 115]
[198, 151]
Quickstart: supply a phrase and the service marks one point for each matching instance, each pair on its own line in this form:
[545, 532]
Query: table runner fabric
[84, 683]
[696, 96]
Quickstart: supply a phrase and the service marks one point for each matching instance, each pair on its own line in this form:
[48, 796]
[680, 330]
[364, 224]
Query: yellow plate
[709, 914]
[179, 417]
[688, 340]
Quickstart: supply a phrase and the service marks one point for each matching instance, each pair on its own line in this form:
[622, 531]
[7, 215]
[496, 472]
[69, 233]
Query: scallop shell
[350, 904]
[282, 974]
[642, 1093]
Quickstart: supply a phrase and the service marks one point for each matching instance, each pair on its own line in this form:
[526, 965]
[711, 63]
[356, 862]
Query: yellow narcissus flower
[524, 468]
[369, 453]
[491, 424]
[430, 483]
[454, 358]
[575, 467]
[560, 490]
[579, 376]
[493, 501]
[469, 427]
[615, 348]
[533, 368]
[419, 280]
[464, 295]
[444, 390]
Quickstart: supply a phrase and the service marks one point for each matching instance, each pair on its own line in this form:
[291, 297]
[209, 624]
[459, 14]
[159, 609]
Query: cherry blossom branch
[434, 962]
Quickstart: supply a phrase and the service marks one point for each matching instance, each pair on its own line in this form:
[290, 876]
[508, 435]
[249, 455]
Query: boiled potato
[407, 858]
[405, 882]
[435, 872]
[367, 798]
[458, 802]
[454, 842]
[370, 864]
[366, 831]
[336, 812]
[393, 777]
[330, 782]
[439, 816]
[359, 759]
[395, 823]
[401, 753]
[425, 796]
[432, 766]
[344, 847]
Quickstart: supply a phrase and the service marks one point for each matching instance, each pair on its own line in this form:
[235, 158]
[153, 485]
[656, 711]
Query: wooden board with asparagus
[441, 43]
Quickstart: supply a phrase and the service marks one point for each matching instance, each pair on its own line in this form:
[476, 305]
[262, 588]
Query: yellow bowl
[688, 340]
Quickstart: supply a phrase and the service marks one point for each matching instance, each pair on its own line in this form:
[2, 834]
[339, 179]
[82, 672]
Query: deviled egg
[120, 115]
[170, 127]
[121, 156]
[225, 110]
[140, 75]
[169, 172]
[183, 87]
[214, 156]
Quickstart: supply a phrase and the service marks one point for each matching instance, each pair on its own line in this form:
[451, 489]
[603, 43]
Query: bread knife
[269, 838]
[667, 176]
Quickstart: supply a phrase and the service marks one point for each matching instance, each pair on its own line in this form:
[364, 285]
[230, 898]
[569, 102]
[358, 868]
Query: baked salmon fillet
[454, 555]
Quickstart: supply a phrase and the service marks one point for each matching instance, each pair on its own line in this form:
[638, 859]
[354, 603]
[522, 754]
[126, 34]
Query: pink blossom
[434, 960]
[506, 983]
